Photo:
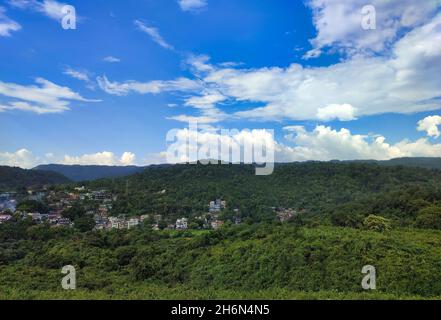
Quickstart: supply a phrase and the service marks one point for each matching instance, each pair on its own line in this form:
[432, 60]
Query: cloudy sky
[108, 91]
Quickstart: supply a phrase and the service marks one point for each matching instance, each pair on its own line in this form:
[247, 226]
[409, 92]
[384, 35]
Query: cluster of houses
[59, 201]
[54, 219]
[211, 220]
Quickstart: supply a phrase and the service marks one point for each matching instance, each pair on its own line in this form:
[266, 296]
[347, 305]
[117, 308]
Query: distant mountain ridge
[12, 178]
[419, 162]
[87, 173]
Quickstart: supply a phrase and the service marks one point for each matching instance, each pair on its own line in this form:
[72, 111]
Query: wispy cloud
[51, 8]
[45, 97]
[81, 75]
[153, 87]
[111, 59]
[154, 34]
[192, 5]
[7, 25]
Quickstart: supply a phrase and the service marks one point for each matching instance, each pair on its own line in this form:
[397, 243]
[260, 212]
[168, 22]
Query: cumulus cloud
[192, 5]
[104, 158]
[229, 146]
[154, 34]
[45, 97]
[342, 112]
[430, 125]
[21, 158]
[154, 87]
[339, 23]
[406, 81]
[7, 25]
[128, 158]
[24, 158]
[324, 143]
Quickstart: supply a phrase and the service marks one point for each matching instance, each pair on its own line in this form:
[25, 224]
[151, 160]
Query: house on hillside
[217, 206]
[132, 223]
[182, 224]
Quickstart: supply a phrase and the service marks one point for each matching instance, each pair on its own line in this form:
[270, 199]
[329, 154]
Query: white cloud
[153, 87]
[401, 79]
[111, 59]
[24, 158]
[208, 142]
[154, 34]
[208, 100]
[430, 125]
[21, 158]
[205, 104]
[7, 25]
[77, 74]
[45, 97]
[192, 5]
[128, 158]
[198, 119]
[339, 23]
[51, 8]
[405, 81]
[104, 158]
[324, 143]
[342, 112]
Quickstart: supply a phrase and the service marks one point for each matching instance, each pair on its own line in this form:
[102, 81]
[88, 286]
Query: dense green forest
[351, 215]
[17, 179]
[246, 261]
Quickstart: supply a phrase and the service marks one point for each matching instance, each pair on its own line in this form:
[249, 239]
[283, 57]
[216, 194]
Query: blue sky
[110, 90]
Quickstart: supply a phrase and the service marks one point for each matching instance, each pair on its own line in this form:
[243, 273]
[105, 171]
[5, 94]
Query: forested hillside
[346, 191]
[84, 173]
[348, 215]
[13, 179]
[269, 261]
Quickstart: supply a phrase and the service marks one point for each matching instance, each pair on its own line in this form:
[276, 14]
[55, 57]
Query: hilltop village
[61, 209]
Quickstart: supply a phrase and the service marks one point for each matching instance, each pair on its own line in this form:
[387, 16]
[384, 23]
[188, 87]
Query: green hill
[321, 189]
[349, 215]
[12, 179]
[85, 173]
